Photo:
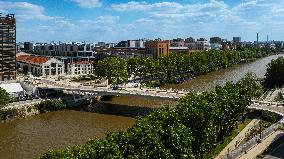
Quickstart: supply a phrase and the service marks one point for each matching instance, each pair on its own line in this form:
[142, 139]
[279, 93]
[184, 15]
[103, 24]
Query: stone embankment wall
[18, 112]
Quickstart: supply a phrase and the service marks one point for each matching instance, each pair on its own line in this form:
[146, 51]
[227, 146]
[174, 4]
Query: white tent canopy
[14, 89]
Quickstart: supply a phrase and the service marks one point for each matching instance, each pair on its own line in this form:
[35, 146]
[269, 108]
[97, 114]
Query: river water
[30, 137]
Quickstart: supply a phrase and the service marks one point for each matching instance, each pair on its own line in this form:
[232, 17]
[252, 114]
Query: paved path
[238, 139]
[278, 153]
[258, 149]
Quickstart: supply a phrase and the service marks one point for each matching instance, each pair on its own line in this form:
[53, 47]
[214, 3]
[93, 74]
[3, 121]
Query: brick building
[157, 47]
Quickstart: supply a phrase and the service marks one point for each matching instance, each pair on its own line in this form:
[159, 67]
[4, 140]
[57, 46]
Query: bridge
[274, 107]
[123, 91]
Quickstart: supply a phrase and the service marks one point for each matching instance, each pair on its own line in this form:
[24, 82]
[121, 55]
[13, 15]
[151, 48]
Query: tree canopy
[275, 73]
[4, 98]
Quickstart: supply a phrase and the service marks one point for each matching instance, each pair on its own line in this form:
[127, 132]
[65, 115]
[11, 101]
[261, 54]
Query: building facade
[40, 66]
[202, 44]
[215, 40]
[123, 52]
[28, 47]
[177, 42]
[7, 47]
[157, 48]
[237, 40]
[80, 68]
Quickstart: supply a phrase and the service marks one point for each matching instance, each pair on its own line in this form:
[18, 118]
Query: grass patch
[228, 139]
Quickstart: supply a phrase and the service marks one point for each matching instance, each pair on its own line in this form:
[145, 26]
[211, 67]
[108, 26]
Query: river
[30, 137]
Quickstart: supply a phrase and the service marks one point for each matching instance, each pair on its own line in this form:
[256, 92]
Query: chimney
[257, 38]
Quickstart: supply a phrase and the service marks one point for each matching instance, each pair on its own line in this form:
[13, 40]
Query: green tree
[114, 69]
[4, 98]
[275, 73]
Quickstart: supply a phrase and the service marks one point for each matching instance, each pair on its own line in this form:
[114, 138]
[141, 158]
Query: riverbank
[28, 108]
[10, 113]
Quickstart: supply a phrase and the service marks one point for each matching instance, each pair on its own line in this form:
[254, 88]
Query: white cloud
[174, 9]
[107, 19]
[63, 23]
[24, 10]
[88, 3]
[144, 6]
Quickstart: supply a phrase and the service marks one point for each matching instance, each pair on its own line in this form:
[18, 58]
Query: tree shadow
[116, 109]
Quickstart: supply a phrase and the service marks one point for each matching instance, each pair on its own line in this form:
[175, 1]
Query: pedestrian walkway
[259, 148]
[238, 139]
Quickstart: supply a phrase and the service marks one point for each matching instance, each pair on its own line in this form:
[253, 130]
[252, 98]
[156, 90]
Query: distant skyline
[116, 20]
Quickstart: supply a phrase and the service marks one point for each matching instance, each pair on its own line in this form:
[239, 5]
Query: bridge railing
[267, 103]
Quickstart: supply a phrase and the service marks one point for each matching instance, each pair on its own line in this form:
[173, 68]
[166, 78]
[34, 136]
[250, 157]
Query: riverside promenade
[238, 139]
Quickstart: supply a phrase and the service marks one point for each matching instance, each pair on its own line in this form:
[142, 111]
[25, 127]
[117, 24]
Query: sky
[116, 20]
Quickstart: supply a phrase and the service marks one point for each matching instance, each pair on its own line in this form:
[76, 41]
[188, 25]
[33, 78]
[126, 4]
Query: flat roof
[12, 87]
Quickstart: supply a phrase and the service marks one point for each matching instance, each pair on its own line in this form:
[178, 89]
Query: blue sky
[115, 20]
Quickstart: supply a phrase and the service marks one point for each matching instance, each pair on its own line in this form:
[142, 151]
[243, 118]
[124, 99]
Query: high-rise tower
[7, 47]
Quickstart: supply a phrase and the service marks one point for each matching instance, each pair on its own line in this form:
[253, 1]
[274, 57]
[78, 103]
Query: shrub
[51, 105]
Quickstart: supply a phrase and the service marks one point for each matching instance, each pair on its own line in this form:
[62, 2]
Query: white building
[80, 68]
[40, 66]
[202, 44]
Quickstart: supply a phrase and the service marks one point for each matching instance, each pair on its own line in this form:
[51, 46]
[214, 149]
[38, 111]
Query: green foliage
[174, 68]
[112, 68]
[4, 98]
[275, 73]
[8, 113]
[51, 105]
[100, 149]
[191, 130]
[159, 135]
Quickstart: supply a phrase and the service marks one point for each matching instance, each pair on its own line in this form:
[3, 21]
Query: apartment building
[7, 47]
[237, 40]
[71, 49]
[215, 40]
[132, 43]
[80, 68]
[178, 42]
[202, 44]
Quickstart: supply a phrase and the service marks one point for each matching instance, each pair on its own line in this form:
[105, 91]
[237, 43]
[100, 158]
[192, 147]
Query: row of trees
[191, 130]
[275, 73]
[173, 67]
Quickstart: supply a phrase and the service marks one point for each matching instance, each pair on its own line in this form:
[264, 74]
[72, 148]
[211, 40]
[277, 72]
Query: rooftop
[32, 59]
